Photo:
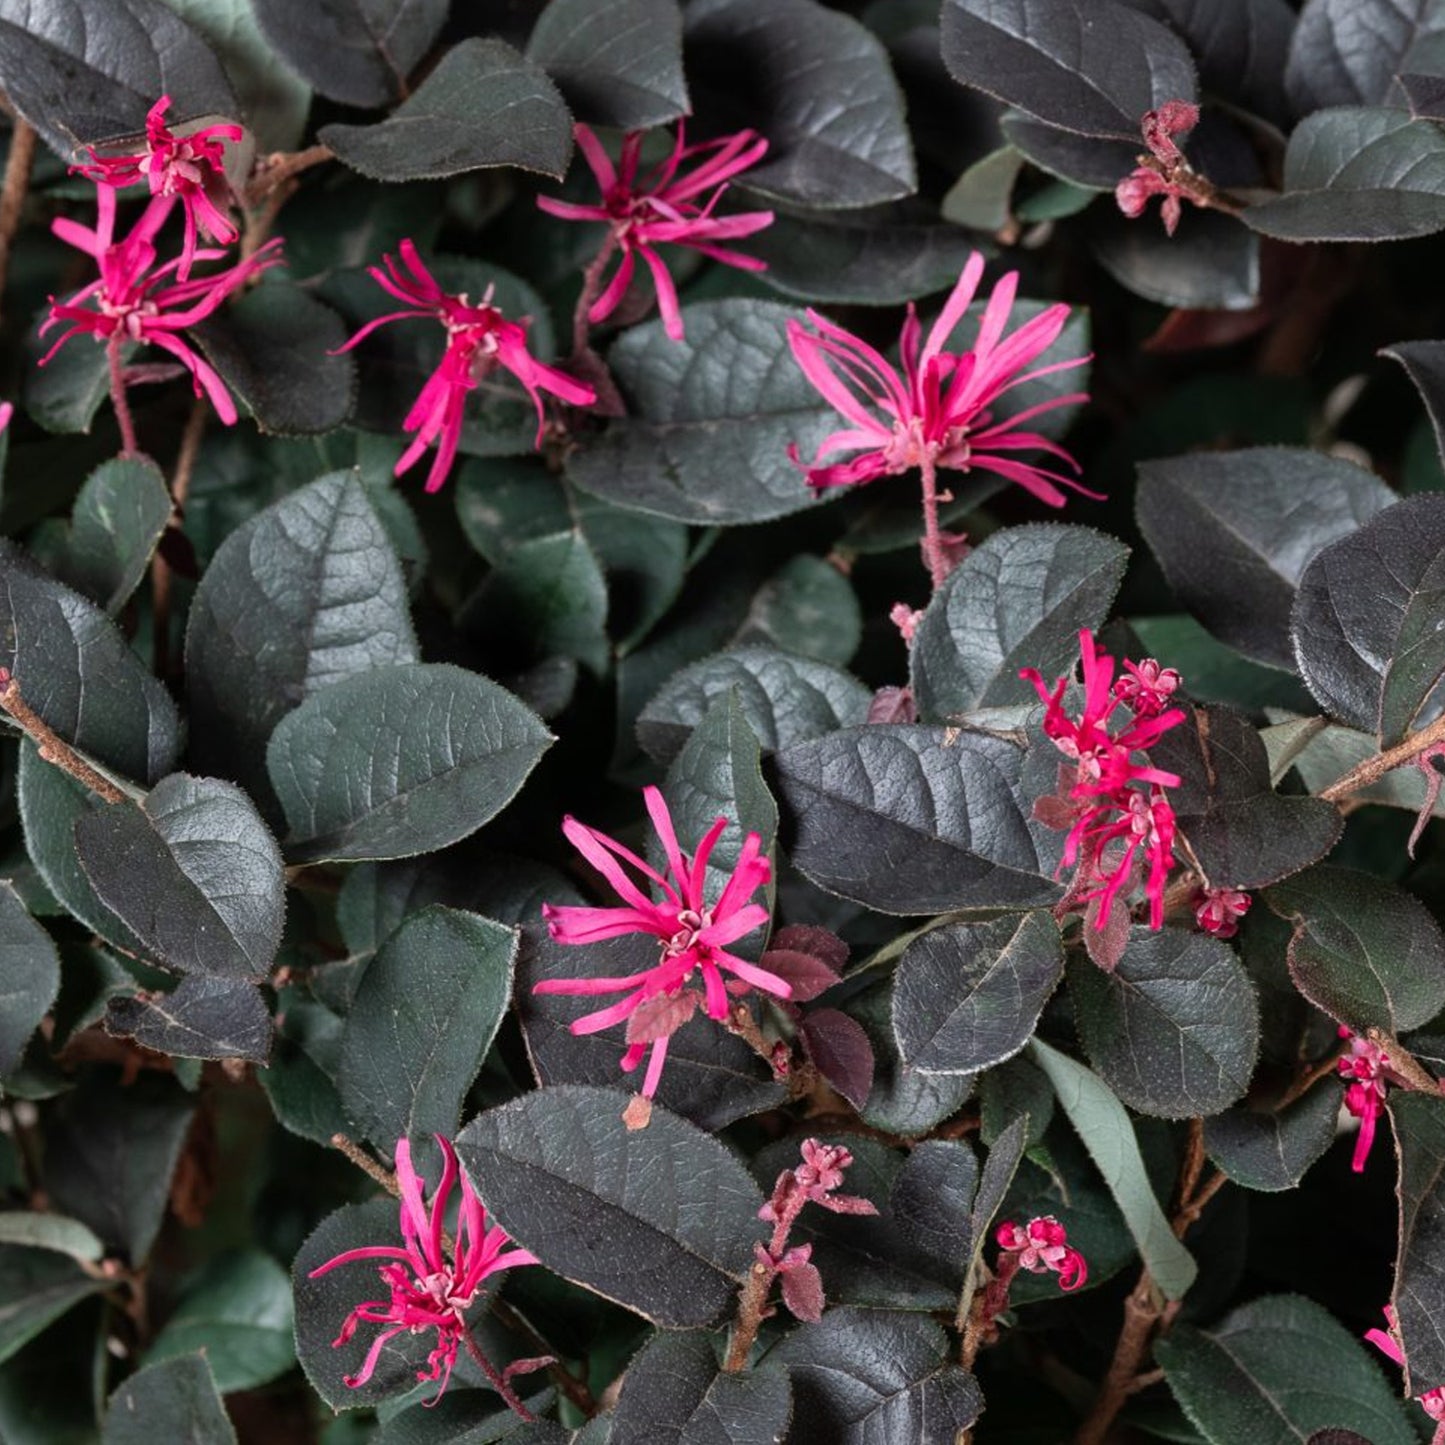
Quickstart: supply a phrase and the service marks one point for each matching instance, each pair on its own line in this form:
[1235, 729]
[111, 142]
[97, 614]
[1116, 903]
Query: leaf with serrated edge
[424, 1016]
[1419, 1295]
[661, 1219]
[1108, 1135]
[29, 976]
[175, 1400]
[1272, 1152]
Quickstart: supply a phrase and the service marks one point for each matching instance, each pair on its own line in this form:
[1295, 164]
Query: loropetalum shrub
[723, 722]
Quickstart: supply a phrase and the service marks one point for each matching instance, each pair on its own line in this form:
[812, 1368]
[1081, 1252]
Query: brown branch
[1141, 1314]
[575, 1390]
[591, 290]
[367, 1164]
[1375, 768]
[161, 569]
[1191, 1211]
[752, 1311]
[14, 190]
[278, 168]
[52, 748]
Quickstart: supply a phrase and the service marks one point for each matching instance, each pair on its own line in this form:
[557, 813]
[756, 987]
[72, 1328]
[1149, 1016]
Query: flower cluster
[1432, 1402]
[937, 412]
[431, 1283]
[692, 932]
[1039, 1246]
[1164, 171]
[1218, 910]
[137, 298]
[665, 207]
[1120, 824]
[814, 1181]
[1364, 1066]
[479, 339]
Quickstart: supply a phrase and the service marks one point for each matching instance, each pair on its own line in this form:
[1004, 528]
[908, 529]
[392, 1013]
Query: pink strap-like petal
[959, 300]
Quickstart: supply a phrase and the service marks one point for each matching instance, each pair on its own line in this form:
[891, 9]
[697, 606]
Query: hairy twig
[53, 749]
[14, 190]
[1375, 768]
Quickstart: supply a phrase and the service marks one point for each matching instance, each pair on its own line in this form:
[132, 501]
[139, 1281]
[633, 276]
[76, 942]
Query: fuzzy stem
[575, 1390]
[752, 1305]
[933, 556]
[1375, 768]
[118, 399]
[497, 1382]
[54, 749]
[591, 290]
[1141, 1314]
[160, 569]
[278, 168]
[15, 189]
[367, 1164]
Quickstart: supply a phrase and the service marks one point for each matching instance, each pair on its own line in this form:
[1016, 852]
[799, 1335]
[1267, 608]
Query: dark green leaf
[1000, 1165]
[1174, 1030]
[710, 419]
[806, 607]
[483, 105]
[712, 1077]
[785, 699]
[818, 85]
[400, 760]
[277, 349]
[1234, 532]
[861, 1376]
[546, 598]
[306, 593]
[64, 395]
[1364, 620]
[1273, 1152]
[1419, 1123]
[618, 62]
[51, 803]
[932, 1201]
[1212, 263]
[875, 257]
[359, 52]
[77, 672]
[471, 1417]
[175, 1400]
[1090, 66]
[1350, 52]
[193, 872]
[36, 1287]
[79, 75]
[718, 775]
[300, 1079]
[1100, 1120]
[51, 1231]
[1243, 834]
[1276, 1370]
[1076, 160]
[110, 1154]
[424, 1016]
[1363, 950]
[661, 1219]
[1424, 363]
[674, 1394]
[968, 996]
[903, 1101]
[204, 1017]
[29, 976]
[1019, 599]
[1009, 1093]
[913, 820]
[237, 1311]
[1358, 174]
[118, 518]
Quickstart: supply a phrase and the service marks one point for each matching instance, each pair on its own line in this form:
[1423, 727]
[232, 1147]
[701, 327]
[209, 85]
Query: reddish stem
[498, 1383]
[933, 552]
[591, 290]
[118, 399]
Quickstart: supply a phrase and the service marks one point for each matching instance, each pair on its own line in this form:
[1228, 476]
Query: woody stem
[16, 186]
[497, 1382]
[118, 398]
[591, 290]
[52, 748]
[1375, 768]
[933, 557]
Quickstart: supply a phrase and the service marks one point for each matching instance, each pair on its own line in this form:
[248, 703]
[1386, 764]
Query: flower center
[690, 924]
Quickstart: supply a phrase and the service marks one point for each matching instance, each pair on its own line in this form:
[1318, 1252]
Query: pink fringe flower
[1218, 910]
[665, 208]
[693, 934]
[1146, 687]
[428, 1290]
[1364, 1066]
[1432, 1401]
[1042, 1245]
[937, 411]
[137, 301]
[1164, 171]
[479, 339]
[1114, 808]
[188, 168]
